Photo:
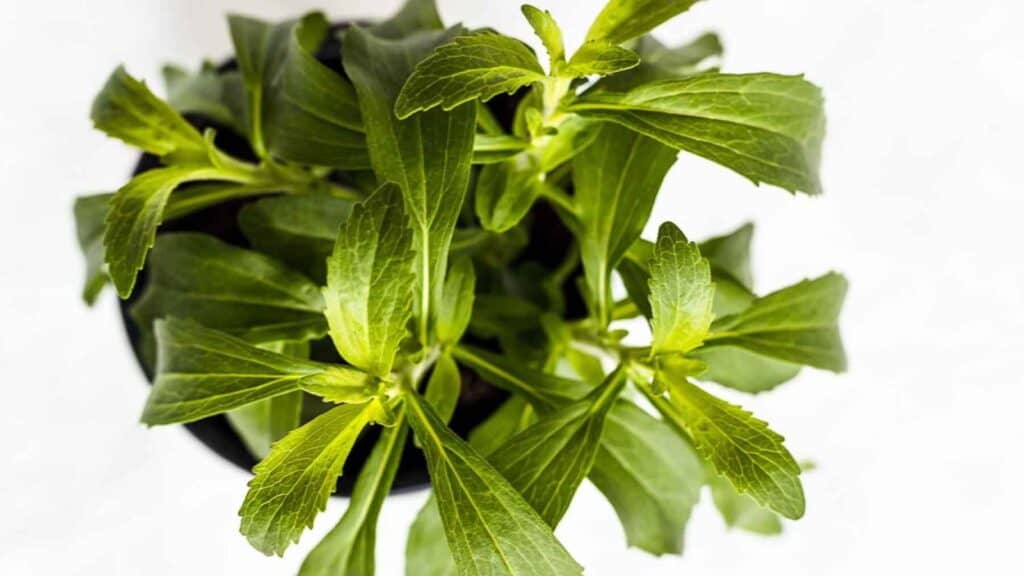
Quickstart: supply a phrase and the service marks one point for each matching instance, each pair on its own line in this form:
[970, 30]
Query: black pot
[478, 398]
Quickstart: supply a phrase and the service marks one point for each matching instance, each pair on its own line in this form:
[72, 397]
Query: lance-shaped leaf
[444, 387]
[740, 510]
[413, 16]
[90, 214]
[681, 293]
[209, 93]
[291, 485]
[545, 27]
[134, 214]
[456, 305]
[741, 447]
[660, 62]
[505, 191]
[490, 528]
[299, 230]
[476, 67]
[125, 109]
[616, 179]
[797, 324]
[767, 127]
[621, 20]
[312, 113]
[201, 372]
[238, 291]
[600, 57]
[406, 151]
[743, 370]
[730, 254]
[350, 547]
[547, 462]
[368, 295]
[649, 474]
[491, 148]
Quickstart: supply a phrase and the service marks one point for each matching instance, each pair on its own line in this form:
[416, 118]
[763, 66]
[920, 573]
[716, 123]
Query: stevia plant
[386, 210]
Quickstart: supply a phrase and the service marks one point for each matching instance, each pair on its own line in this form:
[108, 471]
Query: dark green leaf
[616, 179]
[434, 184]
[621, 20]
[681, 293]
[476, 67]
[350, 547]
[505, 191]
[545, 27]
[797, 324]
[292, 485]
[369, 282]
[456, 306]
[490, 528]
[217, 96]
[413, 16]
[233, 290]
[90, 214]
[600, 57]
[202, 372]
[125, 109]
[299, 230]
[766, 127]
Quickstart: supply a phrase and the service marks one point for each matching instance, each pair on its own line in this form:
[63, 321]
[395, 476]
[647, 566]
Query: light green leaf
[262, 423]
[413, 16]
[426, 548]
[490, 528]
[456, 306]
[202, 372]
[214, 95]
[730, 254]
[434, 185]
[681, 293]
[616, 179]
[476, 67]
[766, 127]
[350, 547]
[741, 447]
[298, 230]
[444, 387]
[547, 462]
[744, 370]
[659, 62]
[491, 148]
[134, 214]
[292, 485]
[90, 214]
[742, 511]
[545, 27]
[600, 57]
[369, 282]
[574, 134]
[505, 191]
[125, 109]
[312, 113]
[241, 292]
[797, 324]
[621, 20]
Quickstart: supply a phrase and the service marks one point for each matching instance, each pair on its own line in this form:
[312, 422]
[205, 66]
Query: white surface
[919, 462]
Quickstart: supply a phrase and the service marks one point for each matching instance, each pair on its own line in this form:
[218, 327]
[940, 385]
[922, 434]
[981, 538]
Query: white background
[917, 446]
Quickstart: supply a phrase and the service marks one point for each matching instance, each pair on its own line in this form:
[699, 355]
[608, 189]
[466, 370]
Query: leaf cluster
[388, 211]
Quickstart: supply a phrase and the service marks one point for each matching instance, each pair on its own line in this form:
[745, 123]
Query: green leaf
[547, 462]
[241, 292]
[456, 306]
[491, 148]
[292, 485]
[217, 96]
[125, 109]
[262, 423]
[730, 254]
[574, 134]
[741, 447]
[476, 67]
[312, 113]
[202, 372]
[621, 20]
[134, 214]
[505, 191]
[434, 185]
[490, 528]
[744, 370]
[545, 27]
[616, 179]
[681, 293]
[742, 511]
[413, 16]
[350, 547]
[90, 213]
[444, 387]
[766, 127]
[426, 548]
[600, 57]
[797, 324]
[659, 62]
[369, 282]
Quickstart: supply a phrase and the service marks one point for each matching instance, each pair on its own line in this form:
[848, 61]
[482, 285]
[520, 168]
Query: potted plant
[383, 250]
